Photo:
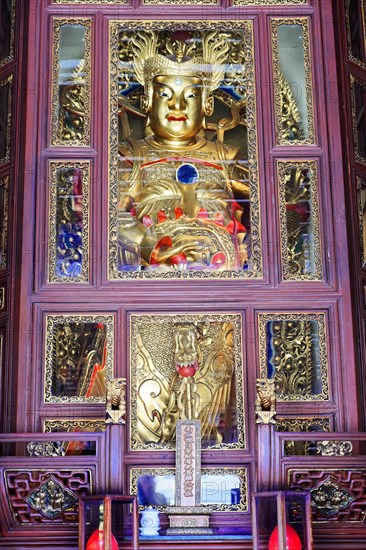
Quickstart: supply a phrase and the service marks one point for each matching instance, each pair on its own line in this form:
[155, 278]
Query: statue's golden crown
[210, 67]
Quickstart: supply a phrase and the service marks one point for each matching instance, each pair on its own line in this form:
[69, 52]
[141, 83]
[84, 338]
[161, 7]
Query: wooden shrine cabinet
[172, 196]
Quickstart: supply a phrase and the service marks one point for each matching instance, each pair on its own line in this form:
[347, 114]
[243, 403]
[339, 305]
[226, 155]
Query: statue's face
[177, 109]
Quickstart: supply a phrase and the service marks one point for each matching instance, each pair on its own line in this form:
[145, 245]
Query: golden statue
[179, 194]
[198, 384]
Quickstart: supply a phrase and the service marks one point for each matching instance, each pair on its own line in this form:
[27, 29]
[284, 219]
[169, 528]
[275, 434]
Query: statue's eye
[163, 94]
[192, 95]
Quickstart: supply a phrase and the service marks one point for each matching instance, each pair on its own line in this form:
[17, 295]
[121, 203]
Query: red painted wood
[33, 298]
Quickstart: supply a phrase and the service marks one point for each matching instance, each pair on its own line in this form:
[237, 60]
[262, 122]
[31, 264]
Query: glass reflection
[183, 194]
[79, 359]
[302, 232]
[5, 106]
[216, 489]
[71, 83]
[356, 37]
[296, 85]
[69, 224]
[3, 221]
[359, 92]
[6, 7]
[293, 358]
[361, 189]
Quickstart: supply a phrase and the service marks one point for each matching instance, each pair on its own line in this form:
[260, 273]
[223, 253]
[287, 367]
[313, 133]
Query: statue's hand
[184, 249]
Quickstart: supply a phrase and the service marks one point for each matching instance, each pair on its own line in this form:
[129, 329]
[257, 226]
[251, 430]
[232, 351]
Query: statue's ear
[145, 103]
[209, 105]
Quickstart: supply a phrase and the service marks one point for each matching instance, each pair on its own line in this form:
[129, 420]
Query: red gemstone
[96, 541]
[187, 371]
[293, 541]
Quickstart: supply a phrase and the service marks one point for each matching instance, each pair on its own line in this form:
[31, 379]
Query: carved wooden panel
[46, 496]
[336, 495]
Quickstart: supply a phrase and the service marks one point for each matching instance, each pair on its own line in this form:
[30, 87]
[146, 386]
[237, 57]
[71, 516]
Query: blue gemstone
[187, 173]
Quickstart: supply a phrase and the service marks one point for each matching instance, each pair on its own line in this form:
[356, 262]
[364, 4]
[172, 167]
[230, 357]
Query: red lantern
[96, 541]
[293, 541]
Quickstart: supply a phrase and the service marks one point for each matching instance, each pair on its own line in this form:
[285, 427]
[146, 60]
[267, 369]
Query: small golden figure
[265, 404]
[116, 401]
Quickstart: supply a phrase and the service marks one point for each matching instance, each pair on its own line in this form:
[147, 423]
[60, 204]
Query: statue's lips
[173, 118]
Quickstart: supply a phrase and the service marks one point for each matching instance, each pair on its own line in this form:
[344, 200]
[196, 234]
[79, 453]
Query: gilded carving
[239, 487]
[4, 205]
[2, 298]
[71, 103]
[299, 218]
[334, 448]
[288, 131]
[69, 222]
[46, 496]
[337, 495]
[52, 498]
[293, 352]
[180, 2]
[93, 2]
[171, 190]
[269, 2]
[45, 448]
[358, 116]
[329, 498]
[79, 358]
[74, 425]
[265, 403]
[301, 448]
[6, 97]
[116, 401]
[159, 352]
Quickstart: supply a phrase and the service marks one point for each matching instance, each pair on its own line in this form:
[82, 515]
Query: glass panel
[292, 82]
[7, 19]
[78, 357]
[71, 82]
[165, 350]
[69, 194]
[74, 426]
[4, 190]
[5, 118]
[359, 121]
[356, 29]
[361, 190]
[182, 139]
[299, 211]
[223, 490]
[293, 353]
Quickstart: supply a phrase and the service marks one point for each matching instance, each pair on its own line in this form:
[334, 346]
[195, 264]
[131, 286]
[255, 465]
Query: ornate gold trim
[319, 318]
[351, 57]
[135, 322]
[298, 424]
[52, 239]
[361, 215]
[49, 424]
[93, 2]
[180, 2]
[4, 182]
[303, 22]
[51, 321]
[5, 82]
[2, 298]
[56, 136]
[256, 259]
[269, 2]
[284, 169]
[242, 473]
[355, 81]
[10, 57]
